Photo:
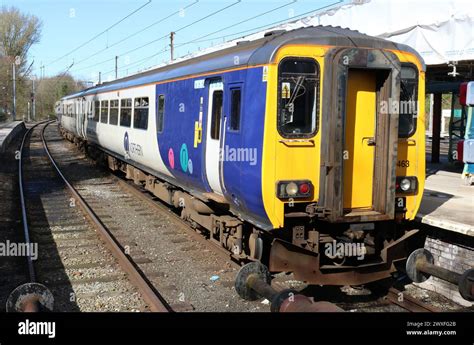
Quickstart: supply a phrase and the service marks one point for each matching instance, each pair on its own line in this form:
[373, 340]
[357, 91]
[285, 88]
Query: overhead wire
[137, 32]
[164, 36]
[246, 20]
[199, 39]
[62, 75]
[100, 34]
[182, 28]
[139, 62]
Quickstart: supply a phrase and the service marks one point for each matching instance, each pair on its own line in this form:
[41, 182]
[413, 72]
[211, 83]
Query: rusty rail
[408, 303]
[151, 296]
[24, 217]
[154, 202]
[27, 297]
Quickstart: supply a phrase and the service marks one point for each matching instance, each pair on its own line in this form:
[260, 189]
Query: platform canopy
[440, 30]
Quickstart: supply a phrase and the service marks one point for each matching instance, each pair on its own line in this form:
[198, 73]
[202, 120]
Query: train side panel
[132, 144]
[67, 118]
[178, 150]
[176, 141]
[183, 140]
[243, 147]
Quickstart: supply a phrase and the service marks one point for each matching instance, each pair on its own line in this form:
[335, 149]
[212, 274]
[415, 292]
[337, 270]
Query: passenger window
[298, 92]
[235, 109]
[216, 114]
[96, 111]
[140, 117]
[104, 111]
[160, 114]
[113, 116]
[408, 108]
[126, 112]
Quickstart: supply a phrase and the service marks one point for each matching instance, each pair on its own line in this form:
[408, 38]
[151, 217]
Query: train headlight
[291, 189]
[407, 184]
[294, 189]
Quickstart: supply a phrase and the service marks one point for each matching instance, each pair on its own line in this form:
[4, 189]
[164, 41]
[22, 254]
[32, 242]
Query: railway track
[190, 272]
[10, 227]
[99, 188]
[408, 303]
[77, 258]
[394, 297]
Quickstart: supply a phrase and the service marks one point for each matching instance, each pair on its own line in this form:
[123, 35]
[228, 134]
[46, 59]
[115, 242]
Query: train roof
[250, 53]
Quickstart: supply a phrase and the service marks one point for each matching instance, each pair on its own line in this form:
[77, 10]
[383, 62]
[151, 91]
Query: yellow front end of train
[343, 159]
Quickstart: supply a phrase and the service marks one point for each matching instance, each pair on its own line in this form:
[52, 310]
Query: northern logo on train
[126, 143]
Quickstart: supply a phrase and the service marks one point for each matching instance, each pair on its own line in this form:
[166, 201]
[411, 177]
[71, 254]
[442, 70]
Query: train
[303, 150]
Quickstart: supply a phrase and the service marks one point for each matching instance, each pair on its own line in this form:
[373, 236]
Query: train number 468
[403, 163]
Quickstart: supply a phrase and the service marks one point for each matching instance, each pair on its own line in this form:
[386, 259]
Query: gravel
[178, 266]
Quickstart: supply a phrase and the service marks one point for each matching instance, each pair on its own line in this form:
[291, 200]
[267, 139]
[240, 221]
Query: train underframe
[314, 250]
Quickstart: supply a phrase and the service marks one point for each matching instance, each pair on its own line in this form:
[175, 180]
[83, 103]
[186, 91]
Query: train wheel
[241, 281]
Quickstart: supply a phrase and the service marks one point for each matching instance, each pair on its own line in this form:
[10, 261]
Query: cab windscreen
[298, 92]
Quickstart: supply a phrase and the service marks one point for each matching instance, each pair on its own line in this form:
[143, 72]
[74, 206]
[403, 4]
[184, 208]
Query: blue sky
[68, 24]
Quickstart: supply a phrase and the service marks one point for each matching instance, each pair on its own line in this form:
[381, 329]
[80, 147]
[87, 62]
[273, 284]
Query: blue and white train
[277, 147]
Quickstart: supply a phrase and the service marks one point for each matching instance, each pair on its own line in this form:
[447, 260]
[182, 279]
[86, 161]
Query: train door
[213, 134]
[359, 139]
[79, 108]
[80, 115]
[85, 114]
[84, 119]
[77, 116]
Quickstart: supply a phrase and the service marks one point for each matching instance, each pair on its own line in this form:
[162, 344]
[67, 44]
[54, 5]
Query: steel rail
[24, 217]
[151, 296]
[156, 203]
[408, 303]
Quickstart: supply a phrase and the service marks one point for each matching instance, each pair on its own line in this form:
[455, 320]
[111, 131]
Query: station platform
[8, 132]
[448, 203]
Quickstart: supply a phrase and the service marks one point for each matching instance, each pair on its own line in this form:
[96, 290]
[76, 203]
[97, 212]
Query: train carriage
[303, 149]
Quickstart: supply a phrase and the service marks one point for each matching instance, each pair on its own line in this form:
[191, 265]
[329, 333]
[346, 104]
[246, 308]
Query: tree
[50, 90]
[18, 32]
